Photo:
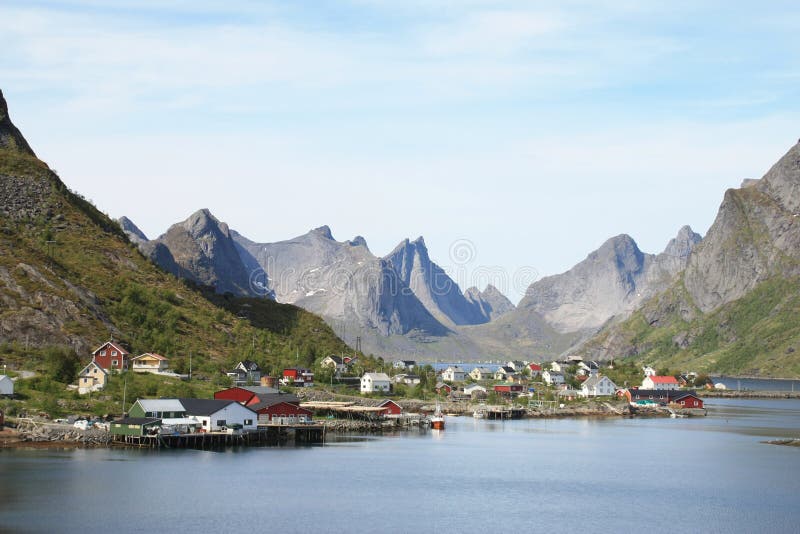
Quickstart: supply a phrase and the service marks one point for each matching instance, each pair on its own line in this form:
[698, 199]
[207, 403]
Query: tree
[61, 364]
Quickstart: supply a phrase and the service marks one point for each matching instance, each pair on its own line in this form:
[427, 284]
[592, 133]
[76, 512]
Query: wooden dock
[266, 435]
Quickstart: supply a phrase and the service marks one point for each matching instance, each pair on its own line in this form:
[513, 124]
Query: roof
[455, 368]
[249, 365]
[136, 421]
[377, 376]
[594, 380]
[260, 390]
[161, 405]
[336, 359]
[88, 365]
[111, 343]
[473, 387]
[388, 401]
[534, 367]
[483, 370]
[669, 394]
[663, 379]
[205, 406]
[151, 355]
[505, 369]
[272, 399]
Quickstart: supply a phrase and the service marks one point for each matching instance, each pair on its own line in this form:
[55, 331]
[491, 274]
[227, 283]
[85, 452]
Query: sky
[515, 136]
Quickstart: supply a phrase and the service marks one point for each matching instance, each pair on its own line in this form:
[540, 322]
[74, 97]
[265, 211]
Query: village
[258, 408]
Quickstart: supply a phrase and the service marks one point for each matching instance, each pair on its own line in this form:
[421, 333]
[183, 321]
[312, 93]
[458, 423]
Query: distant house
[552, 377]
[558, 366]
[588, 368]
[649, 371]
[298, 376]
[516, 365]
[535, 369]
[149, 362]
[597, 386]
[568, 394]
[91, 378]
[245, 372]
[218, 415]
[374, 382]
[280, 409]
[475, 391]
[334, 362]
[6, 385]
[247, 395]
[111, 357]
[453, 374]
[504, 372]
[408, 379]
[408, 365]
[660, 382]
[508, 390]
[157, 408]
[662, 396]
[391, 407]
[481, 373]
[443, 389]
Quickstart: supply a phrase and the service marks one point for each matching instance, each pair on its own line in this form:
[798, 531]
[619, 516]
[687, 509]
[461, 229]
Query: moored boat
[437, 419]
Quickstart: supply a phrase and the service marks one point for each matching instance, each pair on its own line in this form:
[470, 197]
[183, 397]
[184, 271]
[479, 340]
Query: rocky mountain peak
[10, 137]
[358, 241]
[133, 232]
[782, 181]
[323, 231]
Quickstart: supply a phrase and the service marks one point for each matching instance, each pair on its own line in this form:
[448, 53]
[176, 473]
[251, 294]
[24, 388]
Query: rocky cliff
[491, 302]
[10, 137]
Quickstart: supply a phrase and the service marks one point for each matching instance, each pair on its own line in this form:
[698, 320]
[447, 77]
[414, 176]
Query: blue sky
[529, 132]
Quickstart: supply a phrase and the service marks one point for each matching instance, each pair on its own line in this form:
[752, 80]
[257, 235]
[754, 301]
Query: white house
[552, 377]
[597, 386]
[453, 374]
[219, 415]
[372, 382]
[403, 378]
[92, 378]
[558, 367]
[6, 385]
[334, 362]
[516, 365]
[660, 382]
[588, 368]
[481, 373]
[475, 390]
[649, 371]
[408, 365]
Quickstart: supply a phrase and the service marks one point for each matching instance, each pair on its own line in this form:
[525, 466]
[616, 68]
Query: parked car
[81, 424]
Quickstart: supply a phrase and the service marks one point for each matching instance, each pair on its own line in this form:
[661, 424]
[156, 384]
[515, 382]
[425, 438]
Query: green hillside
[70, 279]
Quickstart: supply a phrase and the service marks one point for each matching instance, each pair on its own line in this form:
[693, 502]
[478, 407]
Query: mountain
[70, 279]
[612, 281]
[491, 302]
[433, 287]
[341, 281]
[135, 235]
[200, 249]
[734, 308]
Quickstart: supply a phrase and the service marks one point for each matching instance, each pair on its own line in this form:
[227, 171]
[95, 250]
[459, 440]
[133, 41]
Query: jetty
[266, 435]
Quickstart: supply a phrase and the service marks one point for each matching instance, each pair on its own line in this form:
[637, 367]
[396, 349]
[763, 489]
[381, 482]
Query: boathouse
[508, 390]
[391, 407]
[219, 415]
[280, 412]
[247, 395]
[135, 426]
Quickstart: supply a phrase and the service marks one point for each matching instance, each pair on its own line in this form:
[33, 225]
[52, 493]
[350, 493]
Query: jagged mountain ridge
[734, 308]
[491, 301]
[610, 282]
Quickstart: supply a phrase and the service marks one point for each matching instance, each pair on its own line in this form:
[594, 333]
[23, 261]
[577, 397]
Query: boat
[437, 419]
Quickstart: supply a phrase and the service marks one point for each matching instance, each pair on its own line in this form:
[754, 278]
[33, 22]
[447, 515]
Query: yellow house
[92, 378]
[150, 362]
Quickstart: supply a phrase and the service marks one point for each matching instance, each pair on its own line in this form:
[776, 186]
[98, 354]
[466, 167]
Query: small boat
[437, 419]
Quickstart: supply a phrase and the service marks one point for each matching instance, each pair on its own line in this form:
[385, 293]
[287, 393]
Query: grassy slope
[147, 309]
[758, 334]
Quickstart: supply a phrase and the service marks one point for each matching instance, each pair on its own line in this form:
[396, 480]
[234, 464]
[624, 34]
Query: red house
[535, 368]
[248, 395]
[508, 390]
[391, 407]
[297, 376]
[689, 400]
[279, 412]
[111, 357]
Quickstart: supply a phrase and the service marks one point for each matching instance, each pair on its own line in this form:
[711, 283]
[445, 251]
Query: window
[113, 353]
[204, 422]
[220, 422]
[114, 363]
[248, 422]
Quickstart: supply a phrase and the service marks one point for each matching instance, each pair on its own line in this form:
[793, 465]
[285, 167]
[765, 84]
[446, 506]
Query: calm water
[662, 475]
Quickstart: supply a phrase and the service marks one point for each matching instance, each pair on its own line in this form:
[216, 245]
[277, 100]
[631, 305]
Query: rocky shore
[734, 394]
[35, 434]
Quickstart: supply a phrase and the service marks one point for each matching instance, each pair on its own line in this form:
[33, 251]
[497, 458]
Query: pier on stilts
[266, 435]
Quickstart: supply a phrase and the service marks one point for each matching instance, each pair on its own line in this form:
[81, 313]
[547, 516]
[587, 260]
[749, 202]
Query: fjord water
[708, 474]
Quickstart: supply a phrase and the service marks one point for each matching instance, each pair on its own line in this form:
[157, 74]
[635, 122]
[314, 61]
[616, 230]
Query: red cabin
[280, 412]
[111, 357]
[297, 376]
[391, 407]
[689, 400]
[508, 390]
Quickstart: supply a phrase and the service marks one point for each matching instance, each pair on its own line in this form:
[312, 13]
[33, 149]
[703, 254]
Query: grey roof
[204, 406]
[161, 405]
[594, 380]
